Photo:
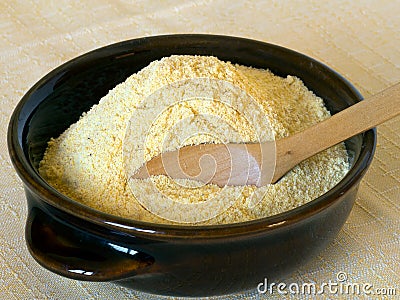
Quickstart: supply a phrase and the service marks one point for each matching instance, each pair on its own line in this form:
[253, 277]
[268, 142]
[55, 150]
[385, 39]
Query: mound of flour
[86, 162]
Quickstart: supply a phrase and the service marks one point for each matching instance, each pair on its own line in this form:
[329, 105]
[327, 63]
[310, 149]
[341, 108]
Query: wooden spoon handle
[358, 118]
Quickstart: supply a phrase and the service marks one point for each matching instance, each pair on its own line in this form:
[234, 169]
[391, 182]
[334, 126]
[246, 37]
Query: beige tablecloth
[360, 39]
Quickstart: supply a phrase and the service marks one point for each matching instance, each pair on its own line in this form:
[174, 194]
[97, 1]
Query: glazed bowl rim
[37, 185]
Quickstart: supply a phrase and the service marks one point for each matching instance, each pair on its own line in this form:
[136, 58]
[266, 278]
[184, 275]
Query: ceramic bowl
[79, 242]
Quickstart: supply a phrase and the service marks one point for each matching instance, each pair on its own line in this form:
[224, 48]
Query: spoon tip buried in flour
[220, 164]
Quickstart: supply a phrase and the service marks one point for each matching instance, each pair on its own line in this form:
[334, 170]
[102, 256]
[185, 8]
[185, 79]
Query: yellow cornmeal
[86, 162]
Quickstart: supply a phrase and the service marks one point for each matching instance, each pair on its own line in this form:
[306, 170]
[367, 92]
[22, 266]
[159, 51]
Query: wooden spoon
[261, 164]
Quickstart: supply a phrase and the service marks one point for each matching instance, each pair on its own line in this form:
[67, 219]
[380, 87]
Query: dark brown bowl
[79, 242]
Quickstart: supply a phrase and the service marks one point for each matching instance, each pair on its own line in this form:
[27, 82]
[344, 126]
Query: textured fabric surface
[359, 39]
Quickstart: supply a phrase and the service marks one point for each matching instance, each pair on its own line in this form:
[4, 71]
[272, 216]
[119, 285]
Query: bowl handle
[71, 252]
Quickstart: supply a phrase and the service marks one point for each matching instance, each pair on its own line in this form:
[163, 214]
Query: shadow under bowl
[78, 242]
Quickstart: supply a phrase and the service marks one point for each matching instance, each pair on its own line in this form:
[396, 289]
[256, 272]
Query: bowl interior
[60, 98]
